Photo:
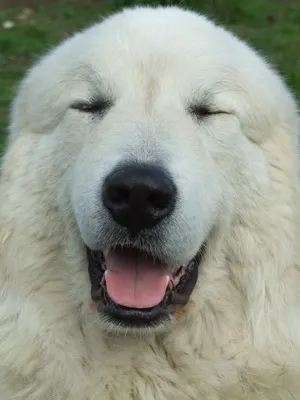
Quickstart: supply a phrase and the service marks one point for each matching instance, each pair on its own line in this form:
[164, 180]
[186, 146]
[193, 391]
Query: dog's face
[144, 116]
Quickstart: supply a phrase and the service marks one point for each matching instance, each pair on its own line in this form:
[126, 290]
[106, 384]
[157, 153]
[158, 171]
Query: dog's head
[146, 132]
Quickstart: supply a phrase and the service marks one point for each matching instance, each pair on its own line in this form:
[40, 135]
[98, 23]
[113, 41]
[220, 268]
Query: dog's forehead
[139, 51]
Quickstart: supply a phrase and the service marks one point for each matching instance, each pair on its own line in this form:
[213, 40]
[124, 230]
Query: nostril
[159, 200]
[118, 195]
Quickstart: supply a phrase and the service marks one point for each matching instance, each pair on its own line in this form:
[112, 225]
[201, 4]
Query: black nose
[139, 196]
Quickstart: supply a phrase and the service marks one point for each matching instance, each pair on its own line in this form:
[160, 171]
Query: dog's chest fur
[134, 369]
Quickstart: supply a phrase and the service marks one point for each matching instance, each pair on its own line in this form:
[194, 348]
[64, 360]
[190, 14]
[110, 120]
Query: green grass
[272, 26]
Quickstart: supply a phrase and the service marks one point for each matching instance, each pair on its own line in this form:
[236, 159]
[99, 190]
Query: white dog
[149, 220]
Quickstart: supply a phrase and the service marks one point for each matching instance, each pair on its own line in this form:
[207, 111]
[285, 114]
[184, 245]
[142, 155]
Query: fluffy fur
[237, 172]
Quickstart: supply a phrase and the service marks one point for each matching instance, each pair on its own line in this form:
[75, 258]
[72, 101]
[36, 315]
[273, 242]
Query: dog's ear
[265, 105]
[265, 237]
[271, 120]
[38, 105]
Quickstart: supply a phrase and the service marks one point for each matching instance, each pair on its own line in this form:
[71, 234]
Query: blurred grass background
[30, 27]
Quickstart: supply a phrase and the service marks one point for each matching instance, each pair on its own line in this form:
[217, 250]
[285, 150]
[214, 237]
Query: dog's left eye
[202, 111]
[98, 106]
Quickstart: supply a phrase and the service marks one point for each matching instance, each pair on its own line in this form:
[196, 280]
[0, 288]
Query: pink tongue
[133, 281]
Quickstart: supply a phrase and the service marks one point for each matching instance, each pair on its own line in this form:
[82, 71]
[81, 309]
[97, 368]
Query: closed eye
[201, 111]
[92, 106]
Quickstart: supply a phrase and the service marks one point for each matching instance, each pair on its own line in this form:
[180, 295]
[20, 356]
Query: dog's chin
[134, 291]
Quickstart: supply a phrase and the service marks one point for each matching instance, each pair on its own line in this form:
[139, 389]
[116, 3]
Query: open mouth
[135, 289]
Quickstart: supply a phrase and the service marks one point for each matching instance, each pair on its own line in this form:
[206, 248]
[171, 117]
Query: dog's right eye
[93, 106]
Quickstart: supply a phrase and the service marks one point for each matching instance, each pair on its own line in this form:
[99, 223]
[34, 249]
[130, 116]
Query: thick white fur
[237, 173]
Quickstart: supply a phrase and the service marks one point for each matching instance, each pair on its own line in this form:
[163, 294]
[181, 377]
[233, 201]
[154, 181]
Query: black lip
[132, 317]
[139, 318]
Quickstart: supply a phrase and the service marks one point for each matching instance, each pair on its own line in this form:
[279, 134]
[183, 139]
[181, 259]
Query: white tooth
[103, 280]
[167, 280]
[105, 252]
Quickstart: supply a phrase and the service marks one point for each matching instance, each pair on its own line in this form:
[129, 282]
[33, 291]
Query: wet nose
[139, 196]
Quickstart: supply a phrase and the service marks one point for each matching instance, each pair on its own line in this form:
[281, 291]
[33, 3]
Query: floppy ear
[39, 105]
[260, 94]
[265, 240]
[33, 113]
